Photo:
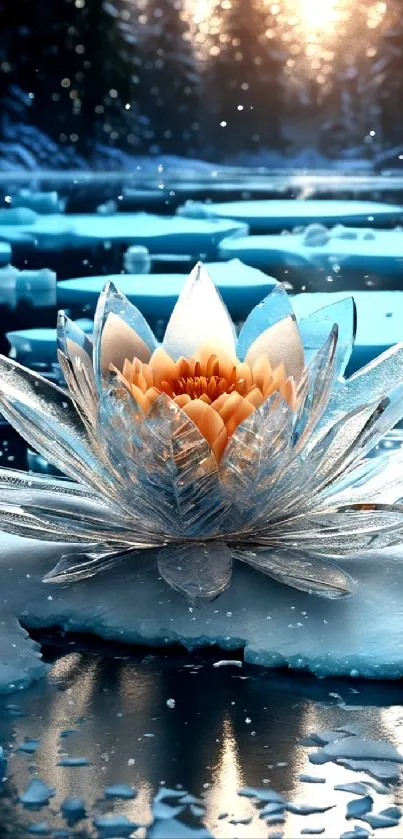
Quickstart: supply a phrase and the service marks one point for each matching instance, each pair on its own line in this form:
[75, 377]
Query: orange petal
[162, 365]
[243, 371]
[261, 371]
[209, 424]
[255, 397]
[288, 392]
[182, 399]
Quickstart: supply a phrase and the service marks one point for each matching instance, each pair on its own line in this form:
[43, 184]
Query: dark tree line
[95, 75]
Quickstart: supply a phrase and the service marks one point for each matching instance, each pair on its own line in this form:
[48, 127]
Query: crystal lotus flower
[208, 448]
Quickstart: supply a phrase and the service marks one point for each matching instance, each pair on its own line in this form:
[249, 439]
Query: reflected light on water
[316, 15]
[227, 780]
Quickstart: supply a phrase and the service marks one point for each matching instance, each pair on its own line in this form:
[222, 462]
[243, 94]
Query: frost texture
[130, 603]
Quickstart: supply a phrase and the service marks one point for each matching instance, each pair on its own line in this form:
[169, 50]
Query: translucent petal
[340, 531]
[370, 384]
[16, 480]
[314, 469]
[377, 479]
[257, 449]
[281, 343]
[200, 318]
[120, 331]
[315, 329]
[303, 572]
[198, 570]
[75, 358]
[79, 566]
[274, 308]
[177, 463]
[46, 418]
[321, 375]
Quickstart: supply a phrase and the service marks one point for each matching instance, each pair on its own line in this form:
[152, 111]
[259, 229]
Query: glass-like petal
[274, 308]
[376, 479]
[198, 570]
[258, 448]
[177, 463]
[281, 343]
[200, 318]
[46, 418]
[75, 358]
[73, 567]
[120, 332]
[303, 572]
[315, 329]
[321, 376]
[340, 531]
[370, 384]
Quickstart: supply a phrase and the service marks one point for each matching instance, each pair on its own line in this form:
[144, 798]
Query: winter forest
[98, 83]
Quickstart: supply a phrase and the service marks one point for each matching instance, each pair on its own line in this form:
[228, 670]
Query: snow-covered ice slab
[241, 287]
[266, 216]
[367, 251]
[179, 235]
[276, 626]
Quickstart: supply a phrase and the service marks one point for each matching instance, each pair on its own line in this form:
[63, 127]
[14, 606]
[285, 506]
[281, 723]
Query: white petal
[199, 318]
[120, 332]
[119, 341]
[281, 343]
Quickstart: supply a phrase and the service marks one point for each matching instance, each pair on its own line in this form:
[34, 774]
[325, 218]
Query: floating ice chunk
[228, 662]
[377, 820]
[166, 792]
[262, 794]
[308, 809]
[382, 770]
[114, 827]
[322, 738]
[276, 818]
[272, 807]
[191, 799]
[243, 820]
[312, 831]
[359, 806]
[160, 810]
[315, 235]
[391, 812]
[36, 794]
[311, 779]
[120, 791]
[356, 788]
[39, 829]
[170, 703]
[73, 809]
[196, 811]
[357, 833]
[28, 746]
[174, 829]
[73, 761]
[357, 748]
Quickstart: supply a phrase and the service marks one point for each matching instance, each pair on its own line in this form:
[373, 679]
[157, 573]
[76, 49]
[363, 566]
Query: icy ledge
[359, 636]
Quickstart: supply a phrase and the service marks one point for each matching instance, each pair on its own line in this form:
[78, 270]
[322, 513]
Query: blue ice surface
[39, 344]
[157, 233]
[5, 253]
[379, 319]
[269, 215]
[241, 287]
[367, 251]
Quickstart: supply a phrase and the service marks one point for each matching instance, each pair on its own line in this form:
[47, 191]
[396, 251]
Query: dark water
[226, 727]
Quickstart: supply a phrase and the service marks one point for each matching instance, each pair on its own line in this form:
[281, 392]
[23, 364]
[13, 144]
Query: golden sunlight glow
[317, 14]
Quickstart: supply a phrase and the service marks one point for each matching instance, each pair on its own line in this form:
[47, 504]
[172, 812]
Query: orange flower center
[217, 392]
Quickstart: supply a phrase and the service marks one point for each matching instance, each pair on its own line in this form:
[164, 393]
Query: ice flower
[209, 448]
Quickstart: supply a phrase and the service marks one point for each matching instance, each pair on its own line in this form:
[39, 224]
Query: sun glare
[317, 14]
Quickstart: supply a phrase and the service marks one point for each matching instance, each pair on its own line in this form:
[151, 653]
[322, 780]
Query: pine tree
[242, 79]
[388, 78]
[171, 80]
[78, 59]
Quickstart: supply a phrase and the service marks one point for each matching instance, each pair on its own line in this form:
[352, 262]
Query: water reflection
[228, 729]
